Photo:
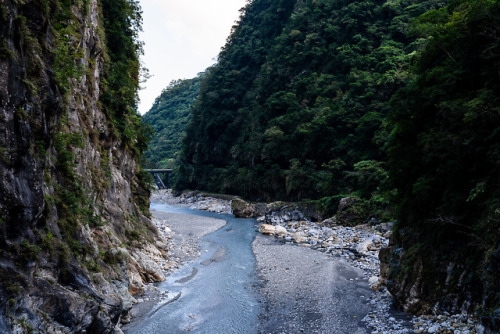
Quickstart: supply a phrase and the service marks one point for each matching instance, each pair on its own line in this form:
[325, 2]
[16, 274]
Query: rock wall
[438, 277]
[75, 237]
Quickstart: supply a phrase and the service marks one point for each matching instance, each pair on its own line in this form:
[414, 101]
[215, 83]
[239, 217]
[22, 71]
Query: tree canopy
[169, 117]
[296, 103]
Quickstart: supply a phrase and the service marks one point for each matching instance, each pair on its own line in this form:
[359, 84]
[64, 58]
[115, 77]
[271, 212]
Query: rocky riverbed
[359, 246]
[194, 200]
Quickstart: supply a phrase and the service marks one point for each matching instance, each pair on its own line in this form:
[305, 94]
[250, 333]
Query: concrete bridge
[156, 173]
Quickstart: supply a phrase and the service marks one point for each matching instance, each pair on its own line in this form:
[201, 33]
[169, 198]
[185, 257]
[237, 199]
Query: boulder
[345, 203]
[327, 243]
[372, 280]
[298, 237]
[376, 283]
[282, 213]
[351, 212]
[267, 229]
[365, 246]
[243, 209]
[281, 231]
[148, 269]
[329, 222]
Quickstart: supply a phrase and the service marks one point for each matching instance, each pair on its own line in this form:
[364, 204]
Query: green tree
[119, 97]
[169, 117]
[301, 84]
[444, 150]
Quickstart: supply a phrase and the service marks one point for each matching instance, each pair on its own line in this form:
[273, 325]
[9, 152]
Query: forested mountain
[169, 117]
[294, 108]
[387, 102]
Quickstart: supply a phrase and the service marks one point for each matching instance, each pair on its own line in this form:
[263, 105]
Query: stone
[298, 237]
[280, 213]
[118, 255]
[345, 203]
[149, 270]
[313, 233]
[280, 231]
[434, 329]
[328, 222]
[365, 246]
[267, 229]
[372, 280]
[327, 243]
[243, 209]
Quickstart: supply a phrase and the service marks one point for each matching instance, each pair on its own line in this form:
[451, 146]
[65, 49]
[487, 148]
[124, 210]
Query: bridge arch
[156, 173]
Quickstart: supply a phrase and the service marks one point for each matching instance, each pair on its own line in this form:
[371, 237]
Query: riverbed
[242, 282]
[214, 293]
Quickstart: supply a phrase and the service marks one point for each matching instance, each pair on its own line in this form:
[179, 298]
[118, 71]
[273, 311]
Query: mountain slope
[295, 105]
[444, 158]
[387, 102]
[169, 117]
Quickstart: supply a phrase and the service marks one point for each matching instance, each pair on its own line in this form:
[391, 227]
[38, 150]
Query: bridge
[156, 176]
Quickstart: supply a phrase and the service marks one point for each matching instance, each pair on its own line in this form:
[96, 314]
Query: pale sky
[182, 38]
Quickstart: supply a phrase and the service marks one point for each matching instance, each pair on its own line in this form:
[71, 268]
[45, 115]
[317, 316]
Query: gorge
[369, 111]
[347, 117]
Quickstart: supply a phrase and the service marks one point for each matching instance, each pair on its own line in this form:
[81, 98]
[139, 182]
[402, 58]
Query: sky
[182, 38]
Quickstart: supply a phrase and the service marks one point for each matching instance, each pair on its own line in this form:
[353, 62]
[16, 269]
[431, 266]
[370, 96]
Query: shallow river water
[214, 293]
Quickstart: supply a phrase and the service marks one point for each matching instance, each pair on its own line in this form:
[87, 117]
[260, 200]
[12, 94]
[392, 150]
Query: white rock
[267, 229]
[280, 231]
[433, 329]
[365, 246]
[298, 237]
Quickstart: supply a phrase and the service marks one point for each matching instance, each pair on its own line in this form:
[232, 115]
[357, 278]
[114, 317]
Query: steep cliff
[444, 161]
[75, 237]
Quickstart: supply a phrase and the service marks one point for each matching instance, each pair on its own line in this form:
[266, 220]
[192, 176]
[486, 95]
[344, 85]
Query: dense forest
[295, 107]
[168, 117]
[444, 161]
[391, 103]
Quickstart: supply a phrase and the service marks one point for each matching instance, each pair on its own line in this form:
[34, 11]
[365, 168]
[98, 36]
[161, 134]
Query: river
[216, 294]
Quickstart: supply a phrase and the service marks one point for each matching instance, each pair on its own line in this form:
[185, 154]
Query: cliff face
[433, 277]
[443, 160]
[75, 237]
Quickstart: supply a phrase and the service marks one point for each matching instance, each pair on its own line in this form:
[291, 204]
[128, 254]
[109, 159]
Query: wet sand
[188, 229]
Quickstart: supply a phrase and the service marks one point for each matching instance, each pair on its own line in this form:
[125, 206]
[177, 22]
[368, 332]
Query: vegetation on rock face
[444, 156]
[70, 144]
[122, 23]
[169, 117]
